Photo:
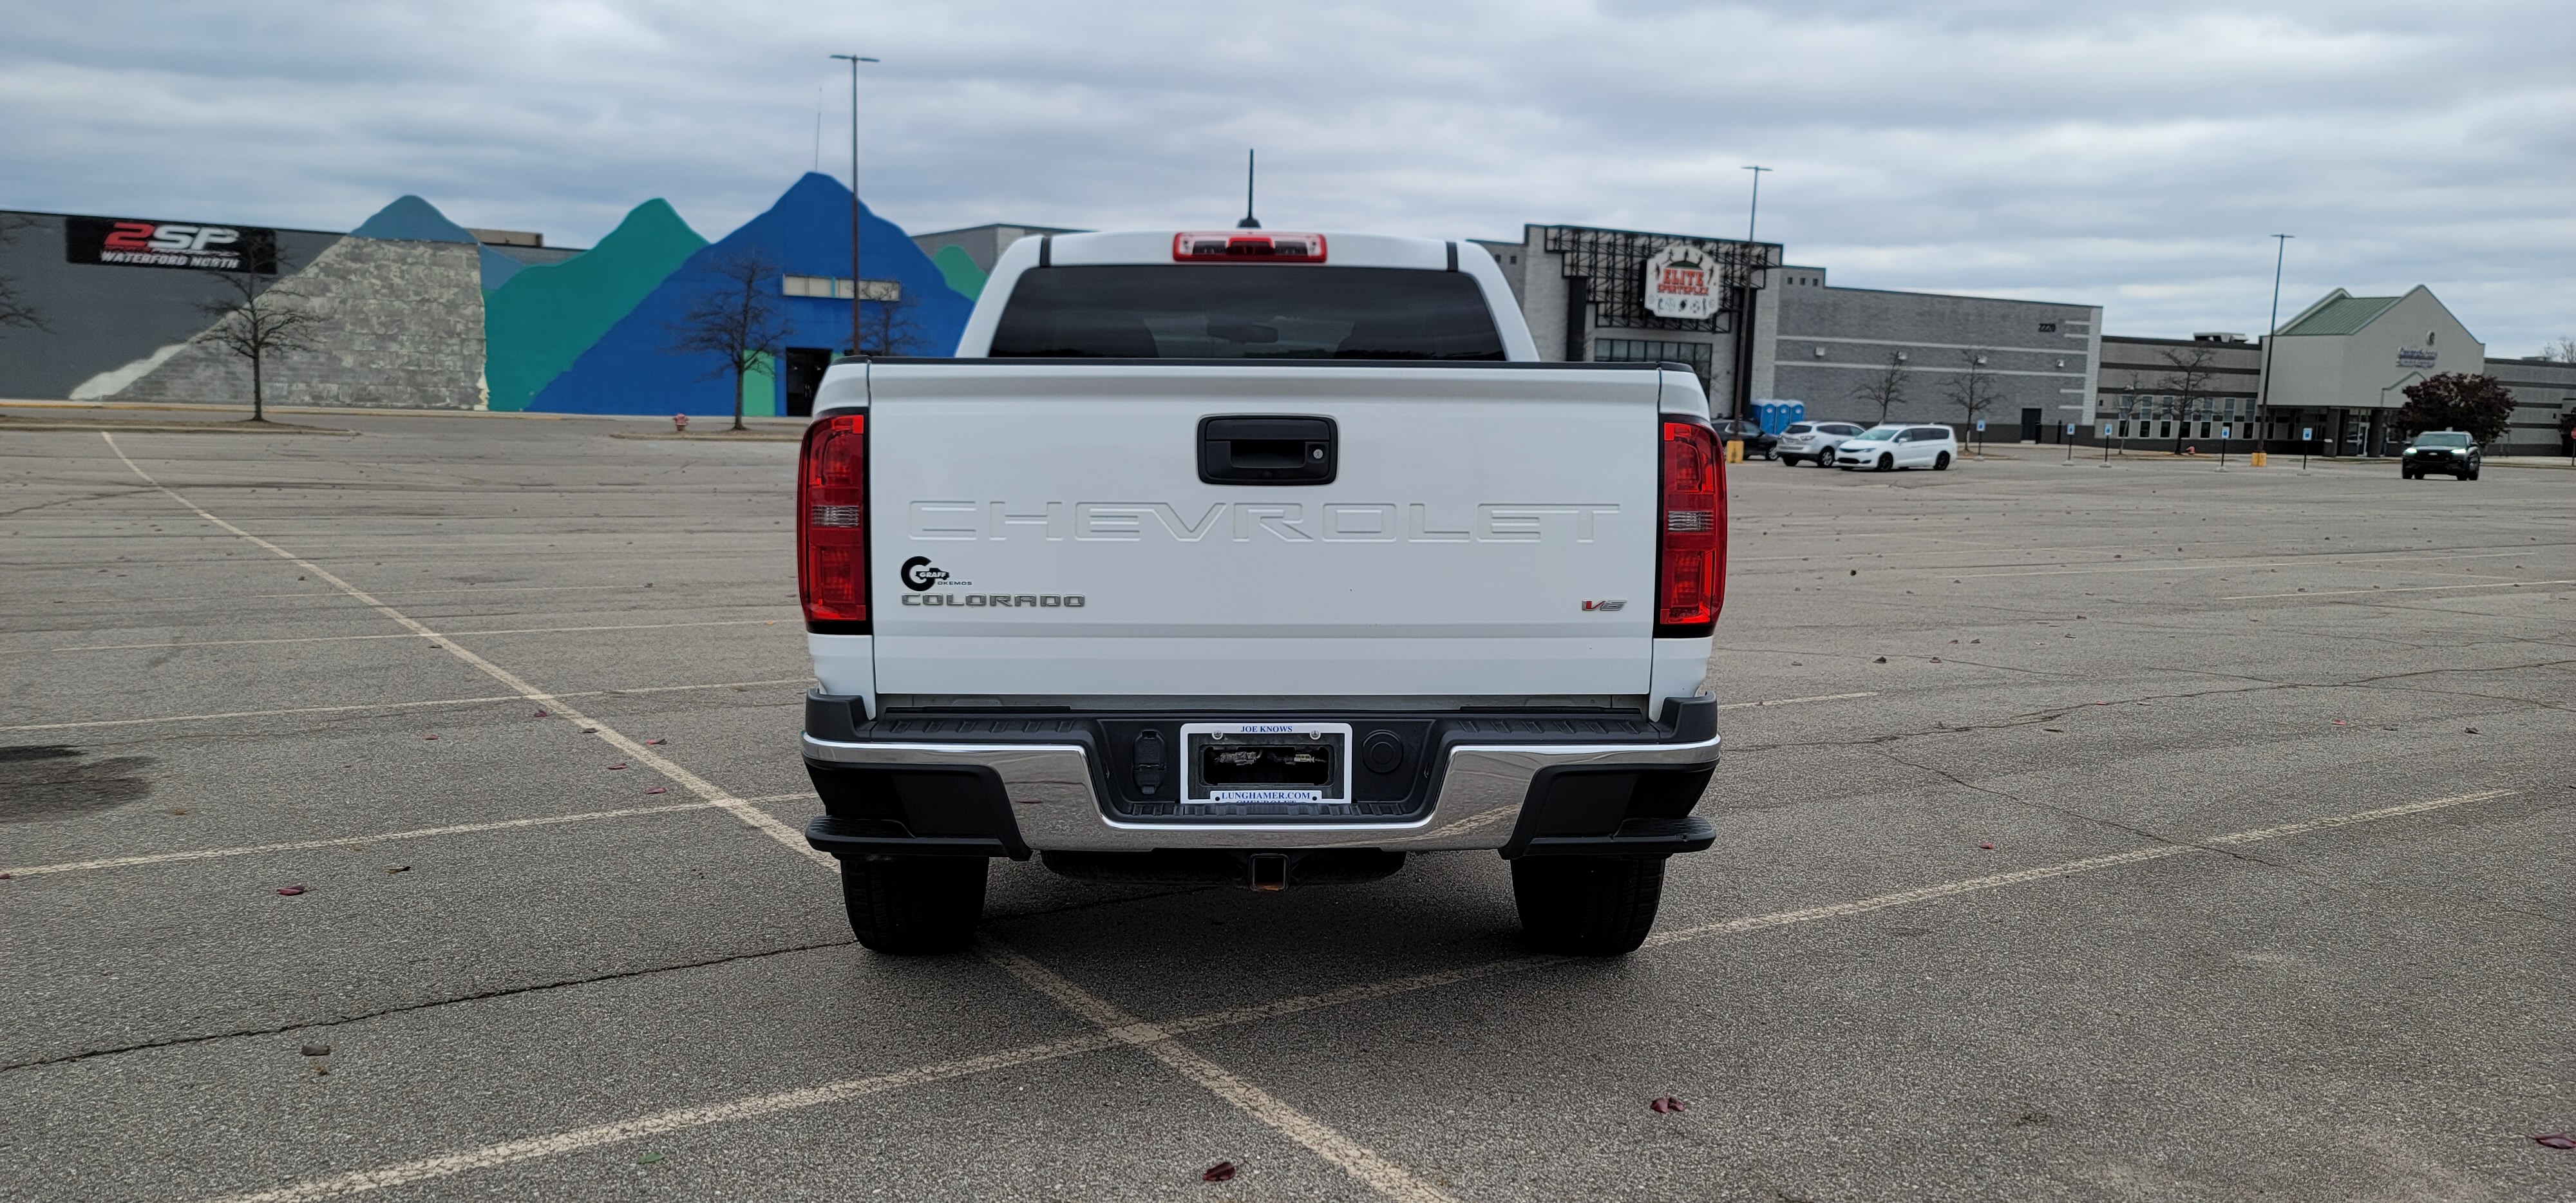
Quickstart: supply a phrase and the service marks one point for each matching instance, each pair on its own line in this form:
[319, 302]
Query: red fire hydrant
[680, 423]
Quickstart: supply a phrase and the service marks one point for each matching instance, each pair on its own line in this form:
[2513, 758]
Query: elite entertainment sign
[130, 242]
[1681, 282]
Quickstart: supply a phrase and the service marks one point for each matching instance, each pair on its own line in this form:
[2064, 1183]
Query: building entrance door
[804, 375]
[2030, 426]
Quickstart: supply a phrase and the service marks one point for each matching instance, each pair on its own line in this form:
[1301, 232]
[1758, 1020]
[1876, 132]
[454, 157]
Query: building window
[838, 288]
[2048, 327]
[1641, 350]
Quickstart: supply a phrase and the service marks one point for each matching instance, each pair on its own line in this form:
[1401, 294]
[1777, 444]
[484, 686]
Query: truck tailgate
[1042, 530]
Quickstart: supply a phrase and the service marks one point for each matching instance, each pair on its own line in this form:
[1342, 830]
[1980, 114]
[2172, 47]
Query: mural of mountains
[411, 219]
[630, 368]
[539, 322]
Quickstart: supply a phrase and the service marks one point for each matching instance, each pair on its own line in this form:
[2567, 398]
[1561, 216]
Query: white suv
[1887, 448]
[1813, 441]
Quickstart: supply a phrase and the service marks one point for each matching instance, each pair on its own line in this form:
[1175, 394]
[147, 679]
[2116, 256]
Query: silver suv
[1813, 442]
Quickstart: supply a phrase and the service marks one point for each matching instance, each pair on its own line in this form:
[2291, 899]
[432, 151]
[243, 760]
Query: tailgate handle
[1268, 450]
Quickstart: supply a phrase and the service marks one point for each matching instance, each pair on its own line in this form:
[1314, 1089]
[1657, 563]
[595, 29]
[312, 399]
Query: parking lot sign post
[2307, 438]
[2070, 442]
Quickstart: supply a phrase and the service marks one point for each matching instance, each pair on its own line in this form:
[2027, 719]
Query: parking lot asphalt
[2274, 767]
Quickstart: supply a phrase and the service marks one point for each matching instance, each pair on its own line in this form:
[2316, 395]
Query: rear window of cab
[1245, 311]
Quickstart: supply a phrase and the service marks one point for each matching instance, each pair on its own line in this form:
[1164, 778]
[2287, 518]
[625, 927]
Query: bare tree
[889, 326]
[16, 311]
[2191, 370]
[1973, 386]
[259, 323]
[2562, 349]
[738, 317]
[1885, 388]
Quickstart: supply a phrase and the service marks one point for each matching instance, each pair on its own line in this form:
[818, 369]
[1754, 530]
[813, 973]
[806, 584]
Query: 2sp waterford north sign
[1681, 281]
[134, 242]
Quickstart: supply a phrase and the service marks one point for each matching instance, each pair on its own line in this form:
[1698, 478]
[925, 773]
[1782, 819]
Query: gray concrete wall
[102, 316]
[1830, 341]
[403, 328]
[2542, 390]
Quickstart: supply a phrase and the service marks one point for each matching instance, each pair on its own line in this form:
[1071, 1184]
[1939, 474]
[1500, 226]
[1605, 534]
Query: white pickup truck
[1260, 558]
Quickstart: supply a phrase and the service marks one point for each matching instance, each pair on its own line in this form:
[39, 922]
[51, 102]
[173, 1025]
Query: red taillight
[832, 525]
[1690, 574]
[1243, 246]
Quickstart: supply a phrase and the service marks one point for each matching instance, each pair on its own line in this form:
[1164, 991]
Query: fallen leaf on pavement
[317, 1050]
[1668, 1105]
[541, 714]
[399, 869]
[1987, 847]
[657, 741]
[1222, 1171]
[657, 790]
[429, 737]
[2472, 730]
[292, 891]
[647, 1158]
[614, 767]
[1880, 660]
[2557, 1140]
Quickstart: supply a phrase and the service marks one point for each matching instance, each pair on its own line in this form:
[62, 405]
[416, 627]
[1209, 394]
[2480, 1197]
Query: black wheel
[1789, 461]
[1589, 906]
[1825, 460]
[2408, 473]
[1886, 462]
[1941, 463]
[2471, 475]
[914, 904]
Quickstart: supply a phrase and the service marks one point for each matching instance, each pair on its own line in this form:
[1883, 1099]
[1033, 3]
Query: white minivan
[1887, 448]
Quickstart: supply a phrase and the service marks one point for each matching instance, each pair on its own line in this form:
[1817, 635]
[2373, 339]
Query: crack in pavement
[433, 1004]
[2152, 837]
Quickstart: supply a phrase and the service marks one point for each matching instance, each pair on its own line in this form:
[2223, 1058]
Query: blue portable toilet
[1775, 415]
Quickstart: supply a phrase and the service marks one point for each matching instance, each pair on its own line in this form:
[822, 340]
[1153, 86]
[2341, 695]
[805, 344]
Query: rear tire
[1826, 459]
[1587, 906]
[2472, 475]
[914, 904]
[1789, 460]
[1941, 463]
[1886, 462]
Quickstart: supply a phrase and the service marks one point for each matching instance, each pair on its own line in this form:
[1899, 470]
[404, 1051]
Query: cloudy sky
[2135, 156]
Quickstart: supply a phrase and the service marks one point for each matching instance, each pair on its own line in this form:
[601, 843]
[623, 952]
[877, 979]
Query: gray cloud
[2134, 156]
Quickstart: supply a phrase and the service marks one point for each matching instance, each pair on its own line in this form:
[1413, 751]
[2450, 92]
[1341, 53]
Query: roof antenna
[1249, 222]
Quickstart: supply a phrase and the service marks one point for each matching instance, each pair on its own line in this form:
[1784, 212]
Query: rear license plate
[1253, 767]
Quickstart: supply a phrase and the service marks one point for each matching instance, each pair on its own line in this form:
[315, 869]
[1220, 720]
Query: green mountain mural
[959, 269]
[544, 317]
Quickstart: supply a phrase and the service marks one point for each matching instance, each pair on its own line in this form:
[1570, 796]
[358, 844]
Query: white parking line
[1382, 1175]
[632, 626]
[2396, 589]
[695, 784]
[1145, 1035]
[621, 1131]
[505, 697]
[1822, 697]
[160, 858]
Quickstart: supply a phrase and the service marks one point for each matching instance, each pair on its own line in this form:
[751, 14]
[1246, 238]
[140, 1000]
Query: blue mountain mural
[411, 219]
[631, 369]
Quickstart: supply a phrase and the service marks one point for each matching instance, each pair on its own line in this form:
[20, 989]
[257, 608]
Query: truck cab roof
[1164, 249]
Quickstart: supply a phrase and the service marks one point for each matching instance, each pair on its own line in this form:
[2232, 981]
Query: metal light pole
[2263, 396]
[1755, 211]
[855, 278]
